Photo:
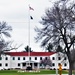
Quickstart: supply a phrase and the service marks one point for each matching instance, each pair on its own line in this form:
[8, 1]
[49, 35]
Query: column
[21, 65]
[33, 65]
[38, 65]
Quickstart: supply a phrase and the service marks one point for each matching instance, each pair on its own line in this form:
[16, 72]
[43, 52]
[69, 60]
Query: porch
[32, 64]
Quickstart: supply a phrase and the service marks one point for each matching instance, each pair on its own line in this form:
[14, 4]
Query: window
[59, 64]
[35, 64]
[65, 64]
[0, 64]
[53, 64]
[24, 64]
[0, 58]
[40, 58]
[6, 58]
[18, 64]
[53, 58]
[35, 58]
[46, 58]
[23, 58]
[18, 58]
[65, 58]
[29, 58]
[40, 64]
[6, 64]
[59, 58]
[13, 58]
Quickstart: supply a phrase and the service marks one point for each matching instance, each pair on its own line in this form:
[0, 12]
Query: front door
[24, 65]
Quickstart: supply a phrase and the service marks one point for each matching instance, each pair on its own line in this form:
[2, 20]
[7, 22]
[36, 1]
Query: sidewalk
[51, 74]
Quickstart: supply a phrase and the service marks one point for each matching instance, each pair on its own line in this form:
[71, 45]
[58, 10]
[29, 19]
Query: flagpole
[29, 36]
[30, 17]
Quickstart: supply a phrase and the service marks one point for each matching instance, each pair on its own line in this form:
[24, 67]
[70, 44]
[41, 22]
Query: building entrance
[32, 64]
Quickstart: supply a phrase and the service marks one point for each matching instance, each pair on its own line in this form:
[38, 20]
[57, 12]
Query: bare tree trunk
[70, 68]
[70, 62]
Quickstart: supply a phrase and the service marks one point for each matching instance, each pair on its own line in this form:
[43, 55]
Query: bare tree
[5, 30]
[5, 45]
[46, 61]
[49, 47]
[58, 27]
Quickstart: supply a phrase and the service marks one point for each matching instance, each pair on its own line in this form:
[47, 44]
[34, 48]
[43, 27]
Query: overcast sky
[16, 14]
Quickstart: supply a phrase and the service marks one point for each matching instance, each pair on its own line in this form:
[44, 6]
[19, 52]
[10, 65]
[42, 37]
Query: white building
[14, 60]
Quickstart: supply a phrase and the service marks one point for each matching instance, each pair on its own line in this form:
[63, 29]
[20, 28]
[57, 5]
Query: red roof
[31, 53]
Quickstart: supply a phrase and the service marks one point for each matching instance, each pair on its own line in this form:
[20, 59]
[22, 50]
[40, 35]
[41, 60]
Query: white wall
[4, 62]
[56, 61]
[14, 63]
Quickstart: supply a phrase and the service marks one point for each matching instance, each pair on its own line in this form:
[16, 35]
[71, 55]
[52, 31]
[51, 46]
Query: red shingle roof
[31, 53]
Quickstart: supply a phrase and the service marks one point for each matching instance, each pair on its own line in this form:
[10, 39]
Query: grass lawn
[15, 72]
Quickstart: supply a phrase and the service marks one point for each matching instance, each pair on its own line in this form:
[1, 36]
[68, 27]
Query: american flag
[31, 8]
